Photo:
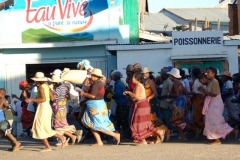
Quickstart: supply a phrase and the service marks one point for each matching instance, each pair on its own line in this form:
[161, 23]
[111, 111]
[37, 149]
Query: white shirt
[74, 95]
[33, 94]
[186, 85]
[196, 85]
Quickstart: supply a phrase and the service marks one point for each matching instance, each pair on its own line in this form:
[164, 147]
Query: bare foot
[141, 143]
[64, 141]
[217, 141]
[158, 140]
[162, 136]
[46, 150]
[97, 145]
[74, 140]
[150, 142]
[17, 147]
[118, 138]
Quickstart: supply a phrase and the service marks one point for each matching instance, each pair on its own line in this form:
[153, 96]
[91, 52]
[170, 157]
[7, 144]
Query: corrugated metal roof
[155, 22]
[213, 14]
[225, 3]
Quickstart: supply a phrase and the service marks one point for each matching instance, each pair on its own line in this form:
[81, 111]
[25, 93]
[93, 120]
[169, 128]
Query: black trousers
[121, 118]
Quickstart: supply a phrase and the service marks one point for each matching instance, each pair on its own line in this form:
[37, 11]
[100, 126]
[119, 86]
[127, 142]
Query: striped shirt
[61, 92]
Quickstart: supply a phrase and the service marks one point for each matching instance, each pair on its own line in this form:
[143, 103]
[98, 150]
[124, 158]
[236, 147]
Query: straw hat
[97, 72]
[175, 73]
[56, 79]
[146, 70]
[39, 76]
[227, 73]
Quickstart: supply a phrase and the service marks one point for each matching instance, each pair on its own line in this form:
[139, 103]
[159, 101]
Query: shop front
[187, 49]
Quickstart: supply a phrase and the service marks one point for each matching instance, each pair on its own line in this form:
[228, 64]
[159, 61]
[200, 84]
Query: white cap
[186, 71]
[57, 72]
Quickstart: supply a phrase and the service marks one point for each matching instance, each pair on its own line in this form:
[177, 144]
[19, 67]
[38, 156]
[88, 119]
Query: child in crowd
[5, 129]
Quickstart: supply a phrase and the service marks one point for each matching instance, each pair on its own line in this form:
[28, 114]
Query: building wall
[155, 59]
[158, 56]
[13, 61]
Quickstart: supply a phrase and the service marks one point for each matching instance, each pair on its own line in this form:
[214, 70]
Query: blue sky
[156, 5]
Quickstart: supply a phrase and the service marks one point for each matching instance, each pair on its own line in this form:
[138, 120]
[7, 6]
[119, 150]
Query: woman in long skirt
[42, 128]
[59, 97]
[141, 124]
[215, 125]
[96, 115]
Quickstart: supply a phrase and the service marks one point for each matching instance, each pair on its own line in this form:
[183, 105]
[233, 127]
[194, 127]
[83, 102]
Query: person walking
[96, 115]
[42, 128]
[215, 125]
[141, 124]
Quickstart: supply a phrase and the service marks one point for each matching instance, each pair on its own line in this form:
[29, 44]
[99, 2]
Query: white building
[203, 49]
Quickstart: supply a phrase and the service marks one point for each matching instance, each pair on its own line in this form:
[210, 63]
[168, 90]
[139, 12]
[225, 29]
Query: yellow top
[46, 91]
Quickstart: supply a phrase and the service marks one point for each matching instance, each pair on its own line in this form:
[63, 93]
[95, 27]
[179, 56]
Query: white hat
[146, 70]
[56, 79]
[175, 73]
[39, 76]
[186, 71]
[57, 72]
[97, 72]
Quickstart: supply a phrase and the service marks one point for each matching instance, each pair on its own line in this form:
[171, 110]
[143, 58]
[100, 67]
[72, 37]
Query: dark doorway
[46, 68]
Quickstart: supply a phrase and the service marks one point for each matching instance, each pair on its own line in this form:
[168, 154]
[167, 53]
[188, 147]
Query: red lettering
[52, 16]
[66, 10]
[29, 10]
[69, 8]
[62, 12]
[75, 10]
[40, 15]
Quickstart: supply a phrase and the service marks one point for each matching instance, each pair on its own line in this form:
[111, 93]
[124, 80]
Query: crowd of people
[141, 108]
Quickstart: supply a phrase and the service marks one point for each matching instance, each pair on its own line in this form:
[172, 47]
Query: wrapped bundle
[75, 76]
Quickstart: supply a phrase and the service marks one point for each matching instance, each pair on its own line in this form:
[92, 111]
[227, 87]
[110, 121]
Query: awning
[201, 56]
